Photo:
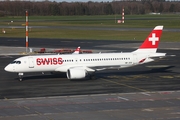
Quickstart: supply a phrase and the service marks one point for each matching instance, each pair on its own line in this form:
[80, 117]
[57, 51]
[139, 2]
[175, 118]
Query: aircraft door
[31, 62]
[134, 58]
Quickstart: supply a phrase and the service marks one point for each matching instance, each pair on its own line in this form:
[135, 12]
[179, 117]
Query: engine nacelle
[76, 73]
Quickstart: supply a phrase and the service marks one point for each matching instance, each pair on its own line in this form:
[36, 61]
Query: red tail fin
[77, 51]
[152, 41]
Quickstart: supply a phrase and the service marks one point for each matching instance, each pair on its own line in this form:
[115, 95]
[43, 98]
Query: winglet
[151, 43]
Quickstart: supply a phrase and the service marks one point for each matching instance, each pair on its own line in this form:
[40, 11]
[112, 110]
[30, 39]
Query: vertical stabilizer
[151, 43]
[77, 51]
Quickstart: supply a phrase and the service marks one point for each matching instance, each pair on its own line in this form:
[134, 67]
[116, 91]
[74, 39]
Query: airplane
[80, 66]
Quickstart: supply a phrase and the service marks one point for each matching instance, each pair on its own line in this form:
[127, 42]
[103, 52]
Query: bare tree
[46, 7]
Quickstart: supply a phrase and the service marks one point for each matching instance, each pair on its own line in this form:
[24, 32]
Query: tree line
[47, 8]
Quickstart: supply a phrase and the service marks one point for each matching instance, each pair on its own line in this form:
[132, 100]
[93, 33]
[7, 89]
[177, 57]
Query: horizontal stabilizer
[157, 55]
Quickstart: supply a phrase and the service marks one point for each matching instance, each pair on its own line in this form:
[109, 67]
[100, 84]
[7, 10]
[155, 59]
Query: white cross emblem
[153, 39]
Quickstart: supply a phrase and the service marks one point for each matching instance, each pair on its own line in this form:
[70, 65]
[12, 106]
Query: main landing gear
[92, 76]
[20, 76]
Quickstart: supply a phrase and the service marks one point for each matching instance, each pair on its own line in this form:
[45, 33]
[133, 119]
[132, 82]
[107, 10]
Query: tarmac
[162, 105]
[146, 92]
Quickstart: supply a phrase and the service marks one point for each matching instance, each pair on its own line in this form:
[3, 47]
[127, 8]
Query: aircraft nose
[9, 68]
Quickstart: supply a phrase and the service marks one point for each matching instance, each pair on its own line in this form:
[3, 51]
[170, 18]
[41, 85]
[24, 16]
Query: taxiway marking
[143, 90]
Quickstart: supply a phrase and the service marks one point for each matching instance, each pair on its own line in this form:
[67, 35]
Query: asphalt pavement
[149, 91]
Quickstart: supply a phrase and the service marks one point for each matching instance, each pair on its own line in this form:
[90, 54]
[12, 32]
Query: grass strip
[88, 34]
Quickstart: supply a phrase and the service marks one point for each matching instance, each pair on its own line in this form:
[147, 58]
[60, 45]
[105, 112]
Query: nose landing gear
[20, 76]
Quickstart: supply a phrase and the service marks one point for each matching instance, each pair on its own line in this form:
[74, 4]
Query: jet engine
[76, 73]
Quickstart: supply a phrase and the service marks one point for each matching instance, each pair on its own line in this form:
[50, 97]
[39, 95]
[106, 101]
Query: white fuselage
[61, 63]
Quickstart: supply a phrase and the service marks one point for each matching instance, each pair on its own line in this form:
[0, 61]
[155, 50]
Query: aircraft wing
[66, 67]
[99, 68]
[87, 68]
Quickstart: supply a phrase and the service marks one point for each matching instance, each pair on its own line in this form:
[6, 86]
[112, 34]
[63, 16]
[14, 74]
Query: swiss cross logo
[153, 39]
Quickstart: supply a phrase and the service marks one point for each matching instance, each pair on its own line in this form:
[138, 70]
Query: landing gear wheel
[20, 76]
[20, 79]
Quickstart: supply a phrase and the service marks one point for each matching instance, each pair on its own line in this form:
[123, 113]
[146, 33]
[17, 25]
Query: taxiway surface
[35, 97]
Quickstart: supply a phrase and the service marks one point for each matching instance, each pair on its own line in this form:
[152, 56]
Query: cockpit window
[18, 62]
[15, 62]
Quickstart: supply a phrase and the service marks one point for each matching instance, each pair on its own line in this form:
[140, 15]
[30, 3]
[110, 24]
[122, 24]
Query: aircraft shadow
[43, 76]
[49, 76]
[101, 74]
[138, 72]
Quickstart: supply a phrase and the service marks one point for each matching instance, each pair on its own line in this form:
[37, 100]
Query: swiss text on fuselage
[49, 61]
